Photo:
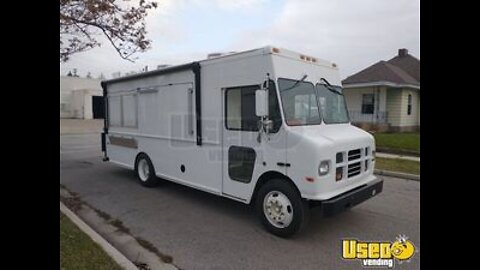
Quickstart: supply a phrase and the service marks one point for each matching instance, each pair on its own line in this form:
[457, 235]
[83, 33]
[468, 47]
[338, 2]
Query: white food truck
[267, 126]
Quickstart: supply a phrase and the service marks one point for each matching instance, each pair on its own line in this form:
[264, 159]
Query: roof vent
[162, 66]
[402, 52]
[218, 54]
[213, 55]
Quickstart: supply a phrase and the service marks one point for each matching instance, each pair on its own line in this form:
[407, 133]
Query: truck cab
[306, 139]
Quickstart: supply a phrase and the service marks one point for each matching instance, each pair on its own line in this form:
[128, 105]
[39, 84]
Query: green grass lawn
[398, 141]
[79, 252]
[397, 165]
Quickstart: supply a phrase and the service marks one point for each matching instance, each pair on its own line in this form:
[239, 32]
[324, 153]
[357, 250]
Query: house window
[409, 108]
[368, 102]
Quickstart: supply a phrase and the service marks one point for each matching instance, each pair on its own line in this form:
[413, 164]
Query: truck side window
[274, 108]
[240, 108]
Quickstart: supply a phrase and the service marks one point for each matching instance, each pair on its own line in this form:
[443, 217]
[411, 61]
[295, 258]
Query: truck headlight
[324, 167]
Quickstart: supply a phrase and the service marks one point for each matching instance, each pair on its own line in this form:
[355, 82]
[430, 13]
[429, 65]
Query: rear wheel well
[267, 176]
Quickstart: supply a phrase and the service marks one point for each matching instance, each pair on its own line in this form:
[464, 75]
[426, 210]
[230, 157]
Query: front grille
[354, 169]
[354, 154]
[355, 162]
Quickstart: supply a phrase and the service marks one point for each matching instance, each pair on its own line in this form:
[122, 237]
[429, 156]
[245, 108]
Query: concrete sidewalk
[393, 156]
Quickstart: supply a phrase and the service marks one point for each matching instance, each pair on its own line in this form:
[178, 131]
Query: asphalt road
[203, 231]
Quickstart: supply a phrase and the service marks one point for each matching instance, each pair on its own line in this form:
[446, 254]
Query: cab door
[245, 155]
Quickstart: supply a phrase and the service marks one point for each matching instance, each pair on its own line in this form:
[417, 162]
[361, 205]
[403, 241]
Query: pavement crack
[73, 201]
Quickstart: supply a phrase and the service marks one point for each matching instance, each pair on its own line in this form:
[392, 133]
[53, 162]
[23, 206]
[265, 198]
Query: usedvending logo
[378, 254]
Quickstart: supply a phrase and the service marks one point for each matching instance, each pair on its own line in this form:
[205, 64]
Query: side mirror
[261, 106]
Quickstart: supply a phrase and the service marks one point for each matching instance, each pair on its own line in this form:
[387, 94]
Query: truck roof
[259, 51]
[277, 51]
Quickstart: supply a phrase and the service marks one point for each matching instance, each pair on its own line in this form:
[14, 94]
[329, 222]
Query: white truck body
[183, 127]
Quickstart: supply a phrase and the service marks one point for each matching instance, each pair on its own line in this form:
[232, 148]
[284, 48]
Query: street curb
[398, 174]
[393, 156]
[107, 247]
[398, 152]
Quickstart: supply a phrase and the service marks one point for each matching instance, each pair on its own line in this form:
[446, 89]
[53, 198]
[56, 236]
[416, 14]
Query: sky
[351, 33]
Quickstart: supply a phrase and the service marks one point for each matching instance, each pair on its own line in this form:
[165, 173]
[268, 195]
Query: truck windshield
[332, 104]
[306, 104]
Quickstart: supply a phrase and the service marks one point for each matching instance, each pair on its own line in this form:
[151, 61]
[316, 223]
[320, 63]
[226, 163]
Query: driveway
[203, 231]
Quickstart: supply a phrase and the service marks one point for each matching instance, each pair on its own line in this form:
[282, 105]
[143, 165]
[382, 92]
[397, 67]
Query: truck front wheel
[145, 171]
[281, 208]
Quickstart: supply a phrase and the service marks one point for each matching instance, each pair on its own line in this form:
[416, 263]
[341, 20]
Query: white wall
[76, 104]
[354, 97]
[394, 107]
[397, 105]
[414, 118]
[75, 83]
[81, 105]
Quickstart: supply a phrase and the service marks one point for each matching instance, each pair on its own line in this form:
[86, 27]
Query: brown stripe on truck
[125, 142]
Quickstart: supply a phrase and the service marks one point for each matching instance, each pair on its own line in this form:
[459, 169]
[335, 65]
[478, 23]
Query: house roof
[409, 64]
[402, 69]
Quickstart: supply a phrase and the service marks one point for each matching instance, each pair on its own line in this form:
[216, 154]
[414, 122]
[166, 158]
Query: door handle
[282, 164]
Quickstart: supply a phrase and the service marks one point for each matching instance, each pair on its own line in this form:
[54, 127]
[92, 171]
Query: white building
[80, 98]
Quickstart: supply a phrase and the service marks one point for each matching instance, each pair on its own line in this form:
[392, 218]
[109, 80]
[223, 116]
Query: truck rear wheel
[281, 208]
[145, 171]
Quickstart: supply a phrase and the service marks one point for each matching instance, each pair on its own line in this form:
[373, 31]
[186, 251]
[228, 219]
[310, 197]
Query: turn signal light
[339, 174]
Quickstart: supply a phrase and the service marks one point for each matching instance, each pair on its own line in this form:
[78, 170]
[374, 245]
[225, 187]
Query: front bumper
[351, 198]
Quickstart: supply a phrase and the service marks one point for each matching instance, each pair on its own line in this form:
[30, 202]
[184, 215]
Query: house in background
[386, 95]
[81, 98]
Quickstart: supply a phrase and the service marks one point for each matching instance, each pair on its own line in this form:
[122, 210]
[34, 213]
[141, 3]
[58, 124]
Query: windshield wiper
[330, 87]
[296, 83]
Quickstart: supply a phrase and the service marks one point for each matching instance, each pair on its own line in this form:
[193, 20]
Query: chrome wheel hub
[143, 170]
[278, 209]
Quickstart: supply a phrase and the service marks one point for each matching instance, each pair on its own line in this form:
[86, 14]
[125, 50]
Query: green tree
[123, 24]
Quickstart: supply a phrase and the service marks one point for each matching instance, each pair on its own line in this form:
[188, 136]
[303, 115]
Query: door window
[241, 161]
[240, 108]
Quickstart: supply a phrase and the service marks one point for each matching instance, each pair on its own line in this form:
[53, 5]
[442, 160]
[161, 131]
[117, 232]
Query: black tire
[152, 179]
[301, 210]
